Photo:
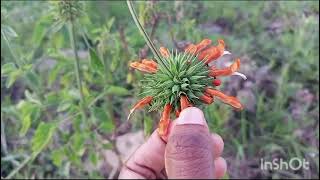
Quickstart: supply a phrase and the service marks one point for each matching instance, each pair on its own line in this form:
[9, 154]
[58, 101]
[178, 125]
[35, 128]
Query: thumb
[188, 153]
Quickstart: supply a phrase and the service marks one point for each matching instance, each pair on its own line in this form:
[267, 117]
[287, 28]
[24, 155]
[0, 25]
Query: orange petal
[233, 101]
[150, 63]
[164, 52]
[226, 71]
[191, 49]
[184, 102]
[178, 112]
[143, 67]
[164, 121]
[213, 52]
[206, 98]
[140, 104]
[203, 44]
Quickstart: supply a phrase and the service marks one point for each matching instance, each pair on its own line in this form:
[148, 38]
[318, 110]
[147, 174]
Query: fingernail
[191, 115]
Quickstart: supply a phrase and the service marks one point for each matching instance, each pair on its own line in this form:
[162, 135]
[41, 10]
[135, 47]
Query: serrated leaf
[42, 137]
[95, 62]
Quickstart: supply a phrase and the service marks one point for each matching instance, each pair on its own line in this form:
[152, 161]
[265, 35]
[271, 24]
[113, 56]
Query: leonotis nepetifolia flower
[184, 79]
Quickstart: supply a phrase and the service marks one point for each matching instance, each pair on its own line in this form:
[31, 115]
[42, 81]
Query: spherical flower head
[183, 79]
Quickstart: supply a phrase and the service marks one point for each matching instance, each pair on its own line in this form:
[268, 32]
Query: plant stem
[77, 68]
[145, 35]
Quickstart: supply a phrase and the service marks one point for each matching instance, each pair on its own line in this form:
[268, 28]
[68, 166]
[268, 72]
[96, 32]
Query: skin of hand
[190, 152]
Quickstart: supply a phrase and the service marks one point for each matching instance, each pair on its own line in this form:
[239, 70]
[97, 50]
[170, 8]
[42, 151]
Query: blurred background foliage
[45, 135]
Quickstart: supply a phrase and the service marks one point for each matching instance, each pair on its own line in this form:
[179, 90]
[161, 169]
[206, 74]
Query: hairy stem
[77, 67]
[145, 35]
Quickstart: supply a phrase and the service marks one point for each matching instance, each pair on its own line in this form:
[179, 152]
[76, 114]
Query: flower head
[184, 79]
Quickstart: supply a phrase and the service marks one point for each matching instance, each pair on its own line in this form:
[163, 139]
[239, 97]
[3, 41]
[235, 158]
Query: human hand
[191, 152]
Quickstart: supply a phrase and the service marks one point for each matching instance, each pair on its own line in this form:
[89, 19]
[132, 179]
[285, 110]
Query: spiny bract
[186, 75]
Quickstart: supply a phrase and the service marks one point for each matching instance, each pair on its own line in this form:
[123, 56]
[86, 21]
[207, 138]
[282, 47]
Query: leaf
[32, 97]
[116, 90]
[26, 122]
[8, 31]
[57, 156]
[42, 137]
[78, 140]
[95, 62]
[7, 68]
[13, 76]
[33, 80]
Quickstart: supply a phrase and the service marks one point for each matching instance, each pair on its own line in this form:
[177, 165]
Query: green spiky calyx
[181, 74]
[66, 10]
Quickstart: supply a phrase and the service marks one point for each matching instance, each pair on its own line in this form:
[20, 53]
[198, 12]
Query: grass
[277, 41]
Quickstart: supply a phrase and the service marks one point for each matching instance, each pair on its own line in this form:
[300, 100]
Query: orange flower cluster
[206, 53]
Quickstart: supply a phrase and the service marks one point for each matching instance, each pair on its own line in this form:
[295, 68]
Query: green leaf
[33, 80]
[8, 31]
[95, 61]
[116, 90]
[78, 140]
[7, 68]
[57, 156]
[26, 122]
[32, 97]
[13, 76]
[28, 112]
[42, 137]
[107, 126]
[93, 156]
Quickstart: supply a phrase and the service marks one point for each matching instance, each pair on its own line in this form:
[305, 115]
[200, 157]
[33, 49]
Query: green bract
[181, 74]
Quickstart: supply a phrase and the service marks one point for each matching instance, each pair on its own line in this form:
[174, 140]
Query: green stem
[77, 67]
[145, 35]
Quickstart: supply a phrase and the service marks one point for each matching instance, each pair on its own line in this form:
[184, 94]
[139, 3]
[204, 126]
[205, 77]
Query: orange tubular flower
[150, 63]
[203, 44]
[164, 121]
[184, 79]
[191, 49]
[143, 67]
[178, 112]
[140, 104]
[206, 98]
[164, 52]
[226, 71]
[184, 102]
[234, 102]
[212, 53]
